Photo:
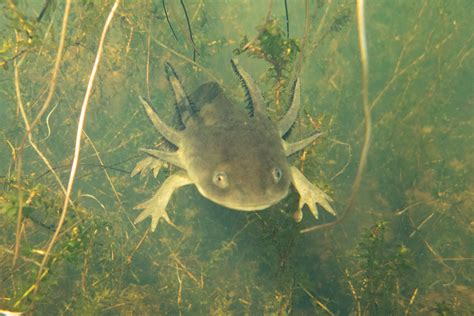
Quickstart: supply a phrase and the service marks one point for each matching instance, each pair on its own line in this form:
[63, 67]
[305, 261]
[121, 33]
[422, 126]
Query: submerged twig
[20, 160]
[349, 158]
[78, 141]
[304, 40]
[168, 19]
[145, 235]
[29, 127]
[267, 19]
[318, 302]
[354, 294]
[367, 120]
[321, 24]
[105, 169]
[43, 10]
[31, 289]
[287, 20]
[47, 124]
[190, 30]
[19, 166]
[94, 198]
[147, 68]
[180, 288]
[406, 208]
[181, 265]
[412, 300]
[174, 52]
[129, 43]
[57, 64]
[421, 225]
[440, 260]
[399, 71]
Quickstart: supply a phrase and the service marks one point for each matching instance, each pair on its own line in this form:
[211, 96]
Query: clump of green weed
[380, 281]
[273, 46]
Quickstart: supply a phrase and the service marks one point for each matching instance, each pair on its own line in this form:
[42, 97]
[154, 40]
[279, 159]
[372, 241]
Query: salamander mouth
[245, 202]
[246, 206]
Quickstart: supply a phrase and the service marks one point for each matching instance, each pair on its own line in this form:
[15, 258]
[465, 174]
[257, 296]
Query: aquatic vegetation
[406, 248]
[272, 45]
[385, 269]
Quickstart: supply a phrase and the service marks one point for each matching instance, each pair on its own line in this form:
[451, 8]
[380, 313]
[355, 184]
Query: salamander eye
[277, 174]
[220, 179]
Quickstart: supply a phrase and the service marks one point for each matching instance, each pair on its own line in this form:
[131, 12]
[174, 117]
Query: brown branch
[78, 142]
[29, 127]
[367, 120]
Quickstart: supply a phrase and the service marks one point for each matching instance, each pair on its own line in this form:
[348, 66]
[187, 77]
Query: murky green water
[407, 246]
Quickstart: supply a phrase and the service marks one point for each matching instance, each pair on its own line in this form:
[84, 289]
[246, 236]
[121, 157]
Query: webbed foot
[309, 195]
[146, 165]
[156, 206]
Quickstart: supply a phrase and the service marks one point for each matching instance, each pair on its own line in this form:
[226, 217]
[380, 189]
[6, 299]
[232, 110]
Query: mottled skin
[235, 158]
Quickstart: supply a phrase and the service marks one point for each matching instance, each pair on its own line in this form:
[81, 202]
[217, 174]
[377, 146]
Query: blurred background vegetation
[407, 248]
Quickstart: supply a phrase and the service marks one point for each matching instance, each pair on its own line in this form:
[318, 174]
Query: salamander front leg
[156, 206]
[309, 195]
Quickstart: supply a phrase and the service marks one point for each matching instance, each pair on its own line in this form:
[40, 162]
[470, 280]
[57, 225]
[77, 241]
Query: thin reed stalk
[364, 61]
[30, 127]
[77, 150]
